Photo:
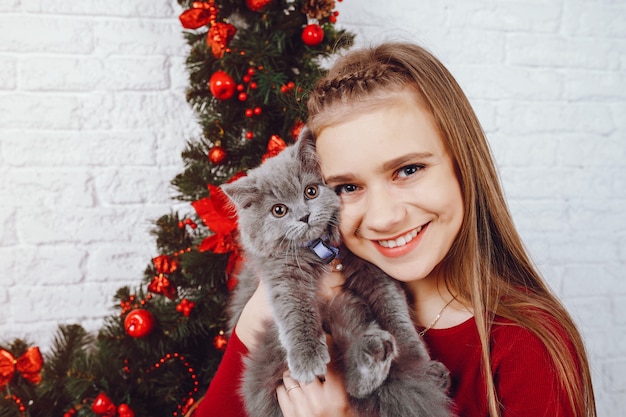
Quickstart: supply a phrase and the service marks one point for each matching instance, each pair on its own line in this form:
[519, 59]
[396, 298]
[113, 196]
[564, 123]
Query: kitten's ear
[306, 150]
[241, 192]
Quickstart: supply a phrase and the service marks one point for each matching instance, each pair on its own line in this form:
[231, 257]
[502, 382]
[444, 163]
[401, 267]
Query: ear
[241, 192]
[306, 150]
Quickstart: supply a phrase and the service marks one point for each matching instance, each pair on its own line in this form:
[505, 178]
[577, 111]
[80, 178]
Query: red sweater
[525, 381]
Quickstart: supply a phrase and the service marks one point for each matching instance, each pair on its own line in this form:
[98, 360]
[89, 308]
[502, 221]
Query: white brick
[510, 83]
[136, 73]
[562, 52]
[49, 266]
[8, 80]
[507, 16]
[594, 19]
[597, 85]
[555, 117]
[70, 301]
[139, 37]
[538, 183]
[7, 220]
[75, 148]
[544, 215]
[135, 8]
[593, 280]
[112, 224]
[119, 263]
[9, 5]
[592, 312]
[619, 305]
[615, 370]
[8, 258]
[134, 186]
[37, 111]
[45, 189]
[60, 73]
[155, 108]
[53, 34]
[591, 150]
[532, 150]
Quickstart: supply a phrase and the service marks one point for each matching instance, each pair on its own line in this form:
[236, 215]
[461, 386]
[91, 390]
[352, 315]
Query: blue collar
[324, 250]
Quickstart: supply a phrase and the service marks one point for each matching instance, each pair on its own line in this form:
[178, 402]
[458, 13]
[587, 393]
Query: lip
[402, 244]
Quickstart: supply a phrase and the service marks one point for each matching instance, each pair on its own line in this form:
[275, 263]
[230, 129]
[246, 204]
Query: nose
[383, 211]
[305, 218]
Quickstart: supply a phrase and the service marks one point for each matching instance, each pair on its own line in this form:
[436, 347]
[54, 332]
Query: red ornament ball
[103, 405]
[222, 85]
[139, 323]
[312, 34]
[257, 5]
[217, 155]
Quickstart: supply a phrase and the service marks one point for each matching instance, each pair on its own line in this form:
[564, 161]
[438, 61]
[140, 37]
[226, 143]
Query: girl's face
[401, 201]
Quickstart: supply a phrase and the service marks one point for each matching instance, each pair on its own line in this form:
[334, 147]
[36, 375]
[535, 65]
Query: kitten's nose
[305, 218]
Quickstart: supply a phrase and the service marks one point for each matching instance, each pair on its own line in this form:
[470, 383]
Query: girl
[401, 145]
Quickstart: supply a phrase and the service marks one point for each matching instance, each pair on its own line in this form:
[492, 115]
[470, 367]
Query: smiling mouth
[402, 240]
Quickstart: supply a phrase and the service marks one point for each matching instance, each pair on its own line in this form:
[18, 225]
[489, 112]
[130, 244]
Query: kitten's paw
[308, 362]
[368, 362]
[440, 373]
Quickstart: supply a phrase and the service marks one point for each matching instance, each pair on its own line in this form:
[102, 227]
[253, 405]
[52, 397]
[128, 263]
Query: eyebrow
[404, 159]
[389, 165]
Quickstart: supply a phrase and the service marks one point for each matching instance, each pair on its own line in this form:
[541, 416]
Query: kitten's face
[283, 204]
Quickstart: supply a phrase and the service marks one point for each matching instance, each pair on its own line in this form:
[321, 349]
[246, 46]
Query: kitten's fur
[386, 366]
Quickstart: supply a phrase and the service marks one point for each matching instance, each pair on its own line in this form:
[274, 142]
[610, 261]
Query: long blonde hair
[487, 264]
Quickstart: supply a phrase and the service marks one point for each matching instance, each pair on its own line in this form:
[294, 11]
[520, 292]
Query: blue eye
[409, 170]
[345, 189]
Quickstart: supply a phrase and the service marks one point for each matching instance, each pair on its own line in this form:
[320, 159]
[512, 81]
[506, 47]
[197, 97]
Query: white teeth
[401, 241]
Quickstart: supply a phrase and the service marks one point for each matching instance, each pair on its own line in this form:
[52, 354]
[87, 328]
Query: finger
[284, 402]
[290, 384]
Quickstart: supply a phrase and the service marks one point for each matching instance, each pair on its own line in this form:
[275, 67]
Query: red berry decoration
[312, 34]
[139, 323]
[257, 5]
[222, 86]
[217, 155]
[124, 410]
[103, 405]
[220, 341]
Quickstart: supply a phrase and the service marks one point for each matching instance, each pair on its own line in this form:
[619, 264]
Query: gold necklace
[436, 319]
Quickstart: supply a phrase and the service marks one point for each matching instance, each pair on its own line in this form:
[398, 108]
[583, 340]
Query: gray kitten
[288, 223]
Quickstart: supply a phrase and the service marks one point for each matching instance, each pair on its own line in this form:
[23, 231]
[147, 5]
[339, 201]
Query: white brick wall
[93, 119]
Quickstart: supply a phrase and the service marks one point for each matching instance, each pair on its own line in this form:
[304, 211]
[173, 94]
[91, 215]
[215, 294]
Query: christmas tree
[250, 64]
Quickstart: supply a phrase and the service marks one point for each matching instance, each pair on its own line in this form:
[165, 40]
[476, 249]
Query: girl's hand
[316, 399]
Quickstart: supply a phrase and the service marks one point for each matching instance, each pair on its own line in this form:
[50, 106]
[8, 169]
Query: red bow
[275, 146]
[201, 14]
[219, 36]
[29, 365]
[217, 214]
[161, 285]
[165, 264]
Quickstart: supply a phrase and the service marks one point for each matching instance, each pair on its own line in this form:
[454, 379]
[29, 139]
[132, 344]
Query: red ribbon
[201, 14]
[29, 365]
[161, 285]
[165, 264]
[275, 146]
[219, 36]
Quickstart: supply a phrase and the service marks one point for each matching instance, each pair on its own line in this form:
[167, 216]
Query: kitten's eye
[311, 192]
[279, 210]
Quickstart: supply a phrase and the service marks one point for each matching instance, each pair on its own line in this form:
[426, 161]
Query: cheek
[348, 221]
